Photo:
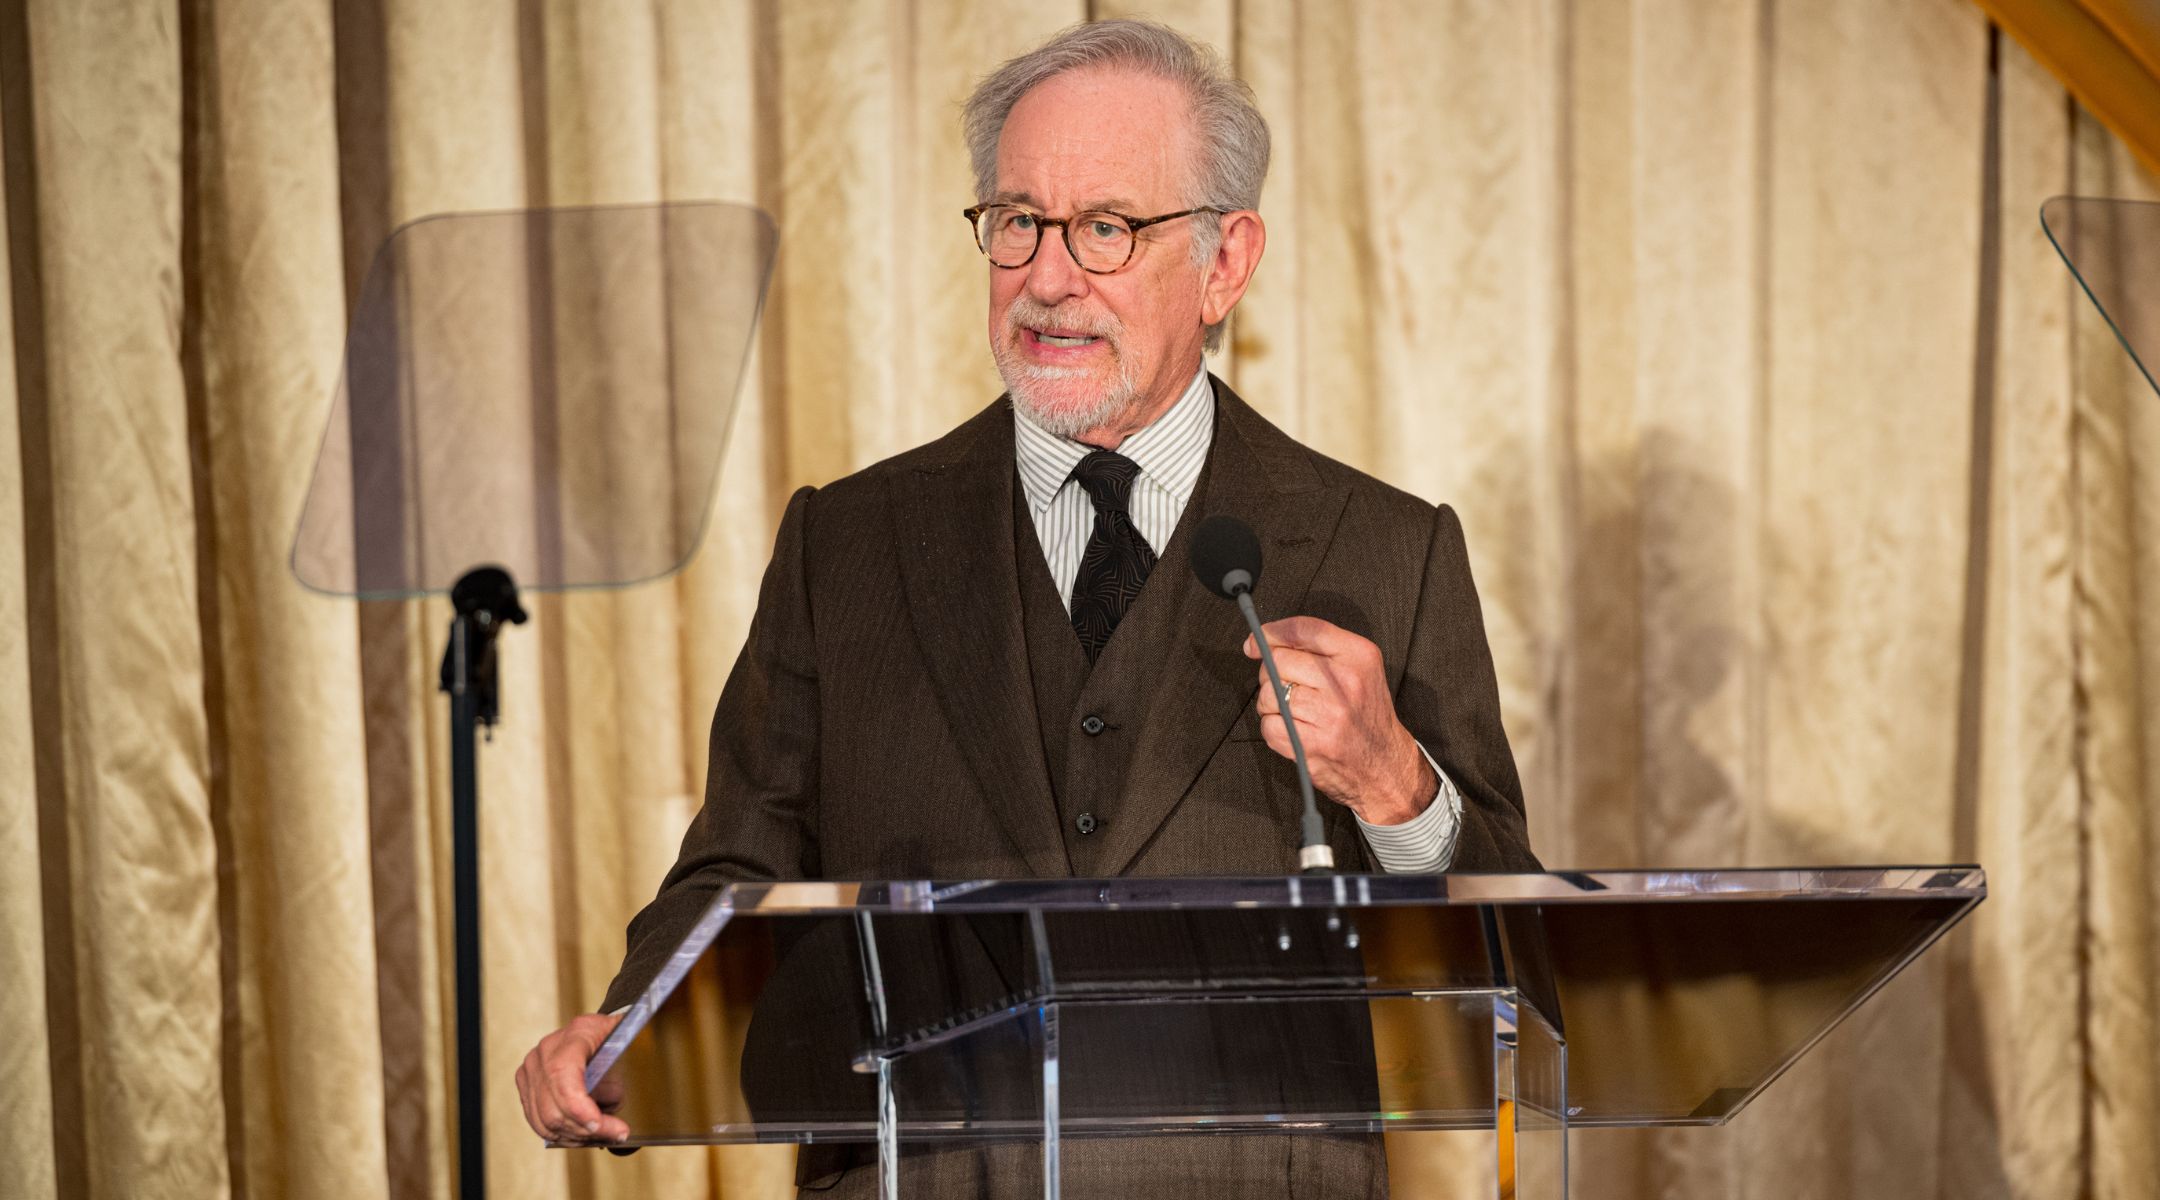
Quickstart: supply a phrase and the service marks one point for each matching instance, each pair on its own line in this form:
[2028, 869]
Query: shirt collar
[1164, 451]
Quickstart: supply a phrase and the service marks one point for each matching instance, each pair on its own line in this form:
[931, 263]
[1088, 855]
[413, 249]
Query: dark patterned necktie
[1117, 559]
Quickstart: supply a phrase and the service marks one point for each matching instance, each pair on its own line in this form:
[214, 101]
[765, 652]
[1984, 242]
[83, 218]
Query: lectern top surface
[1358, 891]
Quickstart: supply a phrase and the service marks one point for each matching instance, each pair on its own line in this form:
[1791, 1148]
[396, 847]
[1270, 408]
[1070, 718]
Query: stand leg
[1051, 1186]
[465, 899]
[1530, 1115]
[888, 1134]
[485, 599]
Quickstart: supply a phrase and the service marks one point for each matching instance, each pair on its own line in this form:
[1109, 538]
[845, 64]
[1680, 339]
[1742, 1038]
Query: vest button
[1085, 822]
[1091, 725]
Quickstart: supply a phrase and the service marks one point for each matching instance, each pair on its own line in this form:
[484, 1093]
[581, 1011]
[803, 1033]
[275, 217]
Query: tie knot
[1108, 478]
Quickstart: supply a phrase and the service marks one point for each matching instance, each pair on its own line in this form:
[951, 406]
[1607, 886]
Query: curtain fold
[1812, 509]
[289, 774]
[26, 1103]
[121, 722]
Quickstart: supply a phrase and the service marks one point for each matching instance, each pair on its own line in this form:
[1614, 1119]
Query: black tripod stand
[486, 599]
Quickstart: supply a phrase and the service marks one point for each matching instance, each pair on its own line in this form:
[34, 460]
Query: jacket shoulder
[987, 433]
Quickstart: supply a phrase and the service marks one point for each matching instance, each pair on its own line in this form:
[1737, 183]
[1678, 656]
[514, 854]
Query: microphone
[1226, 557]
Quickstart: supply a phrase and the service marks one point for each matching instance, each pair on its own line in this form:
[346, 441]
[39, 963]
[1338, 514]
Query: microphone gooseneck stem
[1315, 856]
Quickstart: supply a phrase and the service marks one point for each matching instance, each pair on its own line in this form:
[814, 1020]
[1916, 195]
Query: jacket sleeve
[1450, 699]
[759, 819]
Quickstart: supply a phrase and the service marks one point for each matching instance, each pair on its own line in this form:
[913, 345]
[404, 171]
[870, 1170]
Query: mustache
[1025, 311]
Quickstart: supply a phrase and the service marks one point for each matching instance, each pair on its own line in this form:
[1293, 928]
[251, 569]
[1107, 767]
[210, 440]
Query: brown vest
[1090, 717]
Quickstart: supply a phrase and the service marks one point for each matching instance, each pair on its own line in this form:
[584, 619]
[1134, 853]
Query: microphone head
[1226, 555]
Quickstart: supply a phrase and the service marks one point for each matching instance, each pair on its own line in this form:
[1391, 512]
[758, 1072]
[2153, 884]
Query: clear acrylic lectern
[891, 1018]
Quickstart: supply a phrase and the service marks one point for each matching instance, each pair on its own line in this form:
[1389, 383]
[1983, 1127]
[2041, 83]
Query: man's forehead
[1108, 138]
[1108, 89]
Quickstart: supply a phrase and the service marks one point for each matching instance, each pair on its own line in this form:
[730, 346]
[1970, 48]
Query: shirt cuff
[1424, 844]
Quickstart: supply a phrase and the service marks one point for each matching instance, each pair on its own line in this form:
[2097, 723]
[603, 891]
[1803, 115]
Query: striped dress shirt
[1170, 453]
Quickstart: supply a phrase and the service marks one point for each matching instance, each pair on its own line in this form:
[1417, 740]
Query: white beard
[1058, 398]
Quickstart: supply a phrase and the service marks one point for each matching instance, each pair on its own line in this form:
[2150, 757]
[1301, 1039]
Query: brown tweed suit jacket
[880, 722]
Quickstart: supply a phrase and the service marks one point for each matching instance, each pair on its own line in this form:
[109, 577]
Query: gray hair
[1233, 136]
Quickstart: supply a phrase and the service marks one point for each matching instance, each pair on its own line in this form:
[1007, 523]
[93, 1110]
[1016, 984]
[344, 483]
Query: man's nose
[1052, 274]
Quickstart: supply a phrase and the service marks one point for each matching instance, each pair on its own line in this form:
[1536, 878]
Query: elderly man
[966, 664]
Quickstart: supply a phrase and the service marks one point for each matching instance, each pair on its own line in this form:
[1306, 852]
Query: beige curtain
[1817, 519]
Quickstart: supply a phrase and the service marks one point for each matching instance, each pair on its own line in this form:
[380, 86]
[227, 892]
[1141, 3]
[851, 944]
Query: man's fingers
[608, 1094]
[1309, 634]
[1301, 667]
[543, 1110]
[1310, 706]
[1306, 675]
[1278, 739]
[551, 1085]
[1276, 642]
[556, 1080]
[547, 1115]
[1315, 730]
[527, 1075]
[566, 1077]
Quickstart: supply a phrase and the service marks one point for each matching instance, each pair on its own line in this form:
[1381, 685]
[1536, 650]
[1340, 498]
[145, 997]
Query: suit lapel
[952, 515]
[1255, 473]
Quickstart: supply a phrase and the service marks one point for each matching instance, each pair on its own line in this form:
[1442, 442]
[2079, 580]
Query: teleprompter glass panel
[1679, 996]
[2113, 247]
[548, 391]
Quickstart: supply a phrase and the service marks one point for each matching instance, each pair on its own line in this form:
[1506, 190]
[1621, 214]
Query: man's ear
[1244, 236]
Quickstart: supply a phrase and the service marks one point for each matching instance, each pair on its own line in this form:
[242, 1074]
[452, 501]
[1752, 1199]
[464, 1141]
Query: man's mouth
[1062, 337]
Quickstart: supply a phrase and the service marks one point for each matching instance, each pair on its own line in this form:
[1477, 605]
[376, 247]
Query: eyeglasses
[1101, 242]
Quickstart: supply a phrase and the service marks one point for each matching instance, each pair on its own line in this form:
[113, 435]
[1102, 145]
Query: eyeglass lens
[1098, 241]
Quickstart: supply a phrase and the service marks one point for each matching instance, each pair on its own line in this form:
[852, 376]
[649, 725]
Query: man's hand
[551, 1085]
[1360, 754]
